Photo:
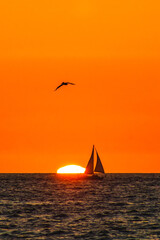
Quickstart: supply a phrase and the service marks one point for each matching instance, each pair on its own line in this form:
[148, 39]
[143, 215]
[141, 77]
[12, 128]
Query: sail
[99, 167]
[90, 165]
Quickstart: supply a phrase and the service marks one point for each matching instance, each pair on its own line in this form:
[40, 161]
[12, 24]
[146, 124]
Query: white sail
[90, 165]
[99, 166]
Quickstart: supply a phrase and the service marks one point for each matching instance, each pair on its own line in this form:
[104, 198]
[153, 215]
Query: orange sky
[111, 50]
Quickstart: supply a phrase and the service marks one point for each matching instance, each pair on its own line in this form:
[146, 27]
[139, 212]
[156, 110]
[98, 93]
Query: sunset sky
[111, 51]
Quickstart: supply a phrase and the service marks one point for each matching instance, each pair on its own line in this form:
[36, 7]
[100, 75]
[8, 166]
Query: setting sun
[71, 169]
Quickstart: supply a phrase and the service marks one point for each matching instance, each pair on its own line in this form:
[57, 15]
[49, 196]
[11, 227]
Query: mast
[90, 165]
[99, 166]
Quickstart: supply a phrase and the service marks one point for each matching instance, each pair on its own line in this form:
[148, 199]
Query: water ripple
[44, 206]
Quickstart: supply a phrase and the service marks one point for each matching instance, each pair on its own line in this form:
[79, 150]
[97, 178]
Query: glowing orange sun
[71, 169]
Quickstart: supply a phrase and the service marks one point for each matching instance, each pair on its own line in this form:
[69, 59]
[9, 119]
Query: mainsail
[90, 166]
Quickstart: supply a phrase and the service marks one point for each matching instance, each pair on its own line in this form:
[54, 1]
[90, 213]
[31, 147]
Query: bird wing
[70, 83]
[59, 86]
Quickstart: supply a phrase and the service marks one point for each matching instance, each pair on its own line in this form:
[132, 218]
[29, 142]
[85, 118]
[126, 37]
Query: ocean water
[45, 206]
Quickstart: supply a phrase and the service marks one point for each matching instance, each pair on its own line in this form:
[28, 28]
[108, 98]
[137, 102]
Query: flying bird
[64, 83]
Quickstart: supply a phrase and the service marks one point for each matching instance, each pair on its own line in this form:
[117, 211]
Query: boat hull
[95, 176]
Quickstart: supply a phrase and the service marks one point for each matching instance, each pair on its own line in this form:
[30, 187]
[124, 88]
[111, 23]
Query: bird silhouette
[64, 83]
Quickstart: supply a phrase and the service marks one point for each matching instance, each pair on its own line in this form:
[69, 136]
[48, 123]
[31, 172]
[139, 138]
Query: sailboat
[98, 171]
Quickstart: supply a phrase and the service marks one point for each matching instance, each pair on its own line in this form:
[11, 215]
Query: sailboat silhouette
[99, 170]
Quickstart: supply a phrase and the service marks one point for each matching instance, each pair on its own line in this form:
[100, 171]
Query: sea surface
[47, 206]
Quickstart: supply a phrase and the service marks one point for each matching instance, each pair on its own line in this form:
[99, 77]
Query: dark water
[44, 206]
